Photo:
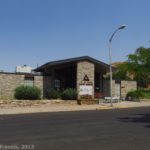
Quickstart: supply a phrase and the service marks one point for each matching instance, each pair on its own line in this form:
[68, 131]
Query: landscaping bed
[25, 103]
[138, 95]
[87, 101]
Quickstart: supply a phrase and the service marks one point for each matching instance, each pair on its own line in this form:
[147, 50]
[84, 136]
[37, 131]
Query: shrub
[134, 95]
[69, 94]
[146, 94]
[27, 92]
[53, 94]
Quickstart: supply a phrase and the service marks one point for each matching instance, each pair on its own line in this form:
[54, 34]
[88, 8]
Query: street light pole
[110, 60]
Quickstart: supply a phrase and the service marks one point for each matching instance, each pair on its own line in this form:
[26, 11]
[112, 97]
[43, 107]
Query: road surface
[116, 129]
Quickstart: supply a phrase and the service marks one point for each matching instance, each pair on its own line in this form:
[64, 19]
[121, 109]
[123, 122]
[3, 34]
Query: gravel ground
[21, 107]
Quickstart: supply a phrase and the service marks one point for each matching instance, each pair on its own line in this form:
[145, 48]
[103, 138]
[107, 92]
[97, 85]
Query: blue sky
[37, 31]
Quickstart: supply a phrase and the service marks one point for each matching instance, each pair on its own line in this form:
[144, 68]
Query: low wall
[125, 87]
[106, 88]
[9, 81]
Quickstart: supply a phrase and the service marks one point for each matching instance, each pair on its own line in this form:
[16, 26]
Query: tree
[137, 67]
[122, 72]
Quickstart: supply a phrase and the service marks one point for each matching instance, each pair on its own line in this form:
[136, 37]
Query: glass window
[57, 83]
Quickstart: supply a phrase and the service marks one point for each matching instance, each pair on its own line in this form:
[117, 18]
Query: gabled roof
[72, 60]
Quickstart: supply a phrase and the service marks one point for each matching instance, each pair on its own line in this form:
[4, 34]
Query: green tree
[137, 67]
[122, 72]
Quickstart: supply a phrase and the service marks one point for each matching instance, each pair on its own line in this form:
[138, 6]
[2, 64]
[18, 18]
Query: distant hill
[116, 64]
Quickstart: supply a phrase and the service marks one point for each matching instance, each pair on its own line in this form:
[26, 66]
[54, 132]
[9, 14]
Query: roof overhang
[72, 61]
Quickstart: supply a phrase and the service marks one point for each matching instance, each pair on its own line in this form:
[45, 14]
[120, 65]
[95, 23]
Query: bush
[69, 94]
[27, 93]
[146, 94]
[135, 95]
[53, 94]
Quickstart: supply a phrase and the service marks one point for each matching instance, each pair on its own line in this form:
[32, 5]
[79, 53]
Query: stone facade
[47, 85]
[106, 88]
[9, 81]
[127, 86]
[38, 81]
[85, 68]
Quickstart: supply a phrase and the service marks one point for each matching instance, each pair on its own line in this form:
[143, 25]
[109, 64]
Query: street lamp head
[122, 27]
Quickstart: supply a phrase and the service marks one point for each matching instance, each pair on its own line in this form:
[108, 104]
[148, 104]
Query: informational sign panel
[85, 89]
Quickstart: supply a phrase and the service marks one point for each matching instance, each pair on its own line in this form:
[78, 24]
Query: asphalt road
[118, 129]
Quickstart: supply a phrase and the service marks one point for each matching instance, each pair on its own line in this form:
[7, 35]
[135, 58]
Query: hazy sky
[37, 31]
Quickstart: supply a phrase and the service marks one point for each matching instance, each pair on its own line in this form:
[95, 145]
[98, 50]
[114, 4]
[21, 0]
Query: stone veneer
[127, 86]
[47, 85]
[106, 88]
[9, 81]
[85, 68]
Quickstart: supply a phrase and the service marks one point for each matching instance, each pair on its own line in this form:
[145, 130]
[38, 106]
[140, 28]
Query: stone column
[38, 81]
[85, 68]
[106, 88]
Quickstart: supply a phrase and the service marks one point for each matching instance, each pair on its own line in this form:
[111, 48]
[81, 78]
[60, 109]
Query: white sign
[23, 69]
[85, 90]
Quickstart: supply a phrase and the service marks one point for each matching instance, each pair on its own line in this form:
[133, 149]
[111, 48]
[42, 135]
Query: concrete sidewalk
[68, 107]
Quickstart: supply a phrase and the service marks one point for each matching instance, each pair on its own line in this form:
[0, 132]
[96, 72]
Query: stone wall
[85, 68]
[127, 86]
[38, 81]
[106, 88]
[9, 81]
[47, 85]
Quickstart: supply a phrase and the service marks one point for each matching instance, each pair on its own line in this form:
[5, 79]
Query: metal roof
[71, 60]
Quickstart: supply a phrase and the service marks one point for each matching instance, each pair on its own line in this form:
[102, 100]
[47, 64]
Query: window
[29, 81]
[57, 84]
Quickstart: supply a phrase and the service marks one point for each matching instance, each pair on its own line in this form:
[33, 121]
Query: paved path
[68, 107]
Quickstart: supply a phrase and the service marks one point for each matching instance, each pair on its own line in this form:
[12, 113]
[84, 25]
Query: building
[23, 69]
[83, 73]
